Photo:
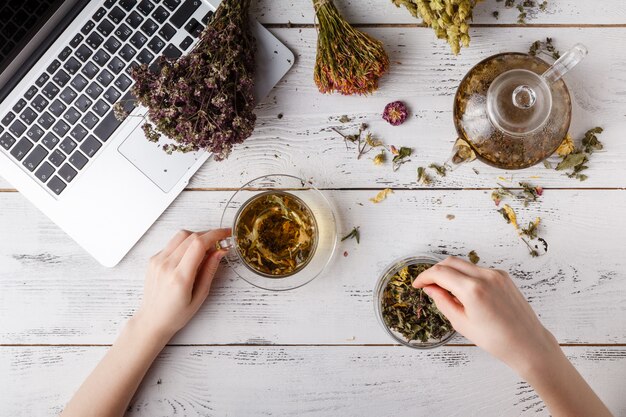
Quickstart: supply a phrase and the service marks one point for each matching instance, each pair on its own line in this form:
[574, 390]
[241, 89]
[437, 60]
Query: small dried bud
[395, 113]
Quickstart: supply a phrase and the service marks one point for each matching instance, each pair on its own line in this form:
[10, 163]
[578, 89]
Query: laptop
[63, 65]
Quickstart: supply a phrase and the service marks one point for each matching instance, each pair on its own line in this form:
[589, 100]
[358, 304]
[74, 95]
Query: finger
[176, 240]
[446, 304]
[446, 277]
[462, 265]
[205, 277]
[207, 239]
[197, 250]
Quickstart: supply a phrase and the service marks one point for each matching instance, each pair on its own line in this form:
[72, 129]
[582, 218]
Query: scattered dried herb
[423, 177]
[546, 48]
[395, 113]
[354, 234]
[528, 194]
[381, 195]
[400, 156]
[441, 170]
[566, 147]
[348, 61]
[576, 160]
[450, 216]
[344, 119]
[410, 311]
[473, 257]
[529, 232]
[448, 18]
[380, 158]
[525, 8]
[205, 99]
[364, 144]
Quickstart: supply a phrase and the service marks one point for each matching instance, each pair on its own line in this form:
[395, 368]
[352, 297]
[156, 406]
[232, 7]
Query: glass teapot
[513, 110]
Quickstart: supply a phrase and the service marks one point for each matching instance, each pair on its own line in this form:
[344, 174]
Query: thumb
[205, 276]
[446, 304]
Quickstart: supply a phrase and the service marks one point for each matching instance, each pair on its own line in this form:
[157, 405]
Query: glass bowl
[379, 290]
[324, 218]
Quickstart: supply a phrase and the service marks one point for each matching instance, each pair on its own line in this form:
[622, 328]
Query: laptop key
[61, 128]
[67, 173]
[44, 172]
[39, 103]
[89, 120]
[207, 17]
[123, 32]
[145, 57]
[171, 4]
[17, 128]
[112, 45]
[156, 44]
[79, 83]
[111, 95]
[78, 160]
[100, 13]
[90, 70]
[35, 133]
[77, 40]
[78, 133]
[184, 12]
[53, 66]
[127, 53]
[72, 65]
[88, 27]
[194, 28]
[21, 103]
[138, 40]
[50, 91]
[61, 78]
[105, 78]
[94, 91]
[50, 140]
[107, 126]
[10, 116]
[109, 3]
[45, 120]
[42, 80]
[167, 31]
[100, 108]
[83, 103]
[83, 53]
[6, 140]
[105, 27]
[56, 185]
[68, 95]
[186, 43]
[30, 93]
[134, 19]
[57, 157]
[123, 82]
[67, 146]
[71, 116]
[94, 40]
[172, 52]
[101, 57]
[160, 14]
[65, 53]
[22, 147]
[28, 116]
[128, 4]
[57, 108]
[145, 7]
[90, 146]
[35, 158]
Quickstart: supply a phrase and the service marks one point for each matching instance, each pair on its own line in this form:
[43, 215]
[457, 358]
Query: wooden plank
[304, 381]
[568, 12]
[425, 75]
[52, 292]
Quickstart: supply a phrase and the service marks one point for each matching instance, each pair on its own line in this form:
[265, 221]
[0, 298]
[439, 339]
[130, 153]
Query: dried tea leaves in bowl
[409, 311]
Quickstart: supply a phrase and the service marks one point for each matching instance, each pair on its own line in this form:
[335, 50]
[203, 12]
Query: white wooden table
[319, 350]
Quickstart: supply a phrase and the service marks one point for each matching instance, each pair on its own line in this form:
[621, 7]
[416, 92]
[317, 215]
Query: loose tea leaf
[381, 195]
[546, 48]
[344, 119]
[354, 234]
[566, 147]
[529, 193]
[473, 257]
[590, 141]
[410, 311]
[440, 169]
[509, 215]
[531, 230]
[400, 156]
[364, 145]
[578, 158]
[423, 177]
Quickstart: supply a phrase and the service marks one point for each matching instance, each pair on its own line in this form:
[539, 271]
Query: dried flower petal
[566, 147]
[381, 195]
[395, 113]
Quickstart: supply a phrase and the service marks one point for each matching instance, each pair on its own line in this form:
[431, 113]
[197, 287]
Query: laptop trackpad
[162, 169]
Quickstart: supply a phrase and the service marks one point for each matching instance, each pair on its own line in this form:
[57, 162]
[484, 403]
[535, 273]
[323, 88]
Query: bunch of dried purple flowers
[205, 99]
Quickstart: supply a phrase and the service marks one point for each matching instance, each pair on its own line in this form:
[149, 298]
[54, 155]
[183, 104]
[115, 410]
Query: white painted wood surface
[319, 350]
[305, 381]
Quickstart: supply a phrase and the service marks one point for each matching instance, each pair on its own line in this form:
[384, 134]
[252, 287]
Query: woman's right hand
[485, 306]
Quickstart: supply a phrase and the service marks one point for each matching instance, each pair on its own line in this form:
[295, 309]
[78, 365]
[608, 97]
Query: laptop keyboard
[66, 116]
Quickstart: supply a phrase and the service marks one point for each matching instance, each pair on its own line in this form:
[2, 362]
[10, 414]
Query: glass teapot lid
[513, 109]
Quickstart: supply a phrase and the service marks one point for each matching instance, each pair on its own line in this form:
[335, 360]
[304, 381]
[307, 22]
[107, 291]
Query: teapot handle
[565, 63]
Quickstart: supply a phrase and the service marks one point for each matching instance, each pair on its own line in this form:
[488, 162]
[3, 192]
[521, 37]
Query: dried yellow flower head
[381, 195]
[566, 147]
[380, 158]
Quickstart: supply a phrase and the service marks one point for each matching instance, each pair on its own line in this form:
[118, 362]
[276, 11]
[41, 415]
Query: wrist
[545, 356]
[144, 329]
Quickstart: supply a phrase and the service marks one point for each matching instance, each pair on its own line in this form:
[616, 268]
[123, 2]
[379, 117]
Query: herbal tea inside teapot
[513, 109]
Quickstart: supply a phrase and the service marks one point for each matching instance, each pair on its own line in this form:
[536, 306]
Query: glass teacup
[284, 232]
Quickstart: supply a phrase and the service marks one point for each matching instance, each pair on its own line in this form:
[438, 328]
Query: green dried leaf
[440, 169]
[354, 234]
[423, 177]
[473, 257]
[571, 161]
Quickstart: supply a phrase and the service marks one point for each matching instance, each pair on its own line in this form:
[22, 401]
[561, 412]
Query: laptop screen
[21, 20]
